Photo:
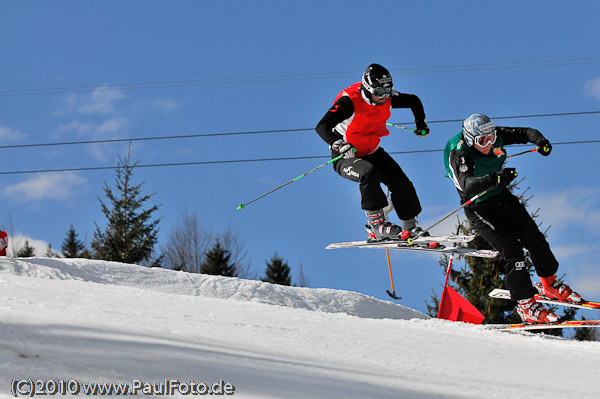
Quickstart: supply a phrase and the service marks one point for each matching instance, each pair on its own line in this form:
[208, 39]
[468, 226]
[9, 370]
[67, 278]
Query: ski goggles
[382, 92]
[484, 140]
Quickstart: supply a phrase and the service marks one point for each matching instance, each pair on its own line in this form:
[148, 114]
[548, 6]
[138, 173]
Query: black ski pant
[372, 170]
[507, 226]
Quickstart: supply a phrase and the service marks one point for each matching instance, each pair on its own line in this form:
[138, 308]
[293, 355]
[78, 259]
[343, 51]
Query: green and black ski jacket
[471, 170]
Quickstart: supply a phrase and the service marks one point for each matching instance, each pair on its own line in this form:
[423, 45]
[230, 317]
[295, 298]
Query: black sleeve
[341, 110]
[520, 135]
[463, 171]
[403, 100]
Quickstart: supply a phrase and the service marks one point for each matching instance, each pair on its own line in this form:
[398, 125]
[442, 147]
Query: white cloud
[99, 102]
[574, 216]
[574, 211]
[587, 284]
[571, 251]
[581, 269]
[17, 242]
[592, 88]
[110, 128]
[10, 134]
[52, 186]
[80, 128]
[112, 125]
[91, 130]
[432, 215]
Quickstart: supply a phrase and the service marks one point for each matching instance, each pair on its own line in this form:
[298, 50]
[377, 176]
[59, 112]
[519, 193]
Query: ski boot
[534, 312]
[379, 228]
[554, 289]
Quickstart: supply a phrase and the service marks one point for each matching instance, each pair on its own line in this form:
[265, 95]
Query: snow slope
[95, 321]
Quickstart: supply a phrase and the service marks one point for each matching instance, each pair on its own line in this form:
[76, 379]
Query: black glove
[505, 176]
[422, 128]
[345, 149]
[544, 147]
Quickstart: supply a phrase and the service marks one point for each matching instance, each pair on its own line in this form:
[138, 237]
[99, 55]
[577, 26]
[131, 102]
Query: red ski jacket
[360, 123]
[365, 129]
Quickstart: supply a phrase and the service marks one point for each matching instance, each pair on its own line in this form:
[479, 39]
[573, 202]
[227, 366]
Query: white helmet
[477, 125]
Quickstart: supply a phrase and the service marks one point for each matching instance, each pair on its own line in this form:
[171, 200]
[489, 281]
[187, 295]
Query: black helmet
[377, 80]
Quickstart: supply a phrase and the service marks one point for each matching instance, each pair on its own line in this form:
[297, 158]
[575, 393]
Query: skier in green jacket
[474, 160]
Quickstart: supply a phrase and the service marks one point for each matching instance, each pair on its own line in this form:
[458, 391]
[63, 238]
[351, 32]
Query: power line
[525, 116]
[244, 160]
[188, 136]
[289, 77]
[164, 165]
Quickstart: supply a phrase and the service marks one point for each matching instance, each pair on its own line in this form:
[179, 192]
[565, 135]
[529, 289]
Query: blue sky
[237, 66]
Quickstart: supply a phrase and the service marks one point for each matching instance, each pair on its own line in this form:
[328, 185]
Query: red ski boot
[554, 289]
[534, 312]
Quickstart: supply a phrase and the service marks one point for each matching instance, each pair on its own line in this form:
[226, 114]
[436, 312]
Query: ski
[481, 253]
[449, 238]
[418, 240]
[505, 294]
[525, 326]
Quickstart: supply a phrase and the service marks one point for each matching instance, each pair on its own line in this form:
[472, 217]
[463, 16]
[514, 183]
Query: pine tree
[278, 271]
[72, 247]
[130, 234]
[26, 251]
[586, 334]
[86, 254]
[217, 262]
[50, 252]
[235, 245]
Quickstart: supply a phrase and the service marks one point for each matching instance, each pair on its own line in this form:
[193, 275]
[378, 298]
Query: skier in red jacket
[353, 127]
[3, 243]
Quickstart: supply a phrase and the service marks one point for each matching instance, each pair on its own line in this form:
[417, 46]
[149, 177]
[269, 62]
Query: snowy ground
[94, 321]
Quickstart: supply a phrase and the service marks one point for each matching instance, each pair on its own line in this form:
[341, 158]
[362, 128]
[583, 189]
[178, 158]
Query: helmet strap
[366, 95]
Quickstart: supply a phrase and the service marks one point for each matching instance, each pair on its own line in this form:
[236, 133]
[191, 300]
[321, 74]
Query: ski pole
[400, 126]
[469, 202]
[242, 206]
[404, 127]
[524, 152]
[387, 252]
[393, 293]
